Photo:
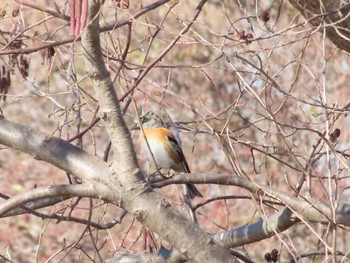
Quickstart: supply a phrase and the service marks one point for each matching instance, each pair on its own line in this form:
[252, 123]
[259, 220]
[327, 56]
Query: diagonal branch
[53, 150]
[33, 205]
[263, 229]
[336, 22]
[44, 9]
[138, 198]
[111, 26]
[81, 190]
[296, 207]
[306, 208]
[163, 255]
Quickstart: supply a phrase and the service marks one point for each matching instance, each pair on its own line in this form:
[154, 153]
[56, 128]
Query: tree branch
[33, 205]
[81, 190]
[43, 9]
[138, 198]
[263, 229]
[337, 19]
[306, 208]
[111, 26]
[163, 255]
[53, 150]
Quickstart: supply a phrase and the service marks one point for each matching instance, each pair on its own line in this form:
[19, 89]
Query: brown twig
[165, 51]
[43, 9]
[109, 27]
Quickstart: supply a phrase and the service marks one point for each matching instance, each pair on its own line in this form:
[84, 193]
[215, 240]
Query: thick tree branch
[336, 19]
[306, 208]
[138, 198]
[53, 150]
[163, 255]
[80, 163]
[33, 205]
[263, 229]
[81, 190]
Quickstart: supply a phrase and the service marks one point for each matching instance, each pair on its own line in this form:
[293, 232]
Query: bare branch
[263, 229]
[81, 190]
[149, 208]
[109, 27]
[53, 150]
[46, 10]
[33, 205]
[162, 256]
[337, 20]
[304, 207]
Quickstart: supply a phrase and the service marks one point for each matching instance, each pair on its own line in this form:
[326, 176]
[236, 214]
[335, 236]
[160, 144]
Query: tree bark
[138, 198]
[334, 15]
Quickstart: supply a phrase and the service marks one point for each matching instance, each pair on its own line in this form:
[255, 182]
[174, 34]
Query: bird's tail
[192, 191]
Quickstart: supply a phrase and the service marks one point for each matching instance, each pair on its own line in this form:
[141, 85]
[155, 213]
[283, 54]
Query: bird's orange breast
[164, 154]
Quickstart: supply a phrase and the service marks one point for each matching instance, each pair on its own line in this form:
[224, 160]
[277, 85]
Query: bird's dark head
[151, 120]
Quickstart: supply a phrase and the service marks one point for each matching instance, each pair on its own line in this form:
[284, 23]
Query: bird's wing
[175, 145]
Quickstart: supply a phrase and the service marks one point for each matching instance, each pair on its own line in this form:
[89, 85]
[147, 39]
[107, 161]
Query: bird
[165, 148]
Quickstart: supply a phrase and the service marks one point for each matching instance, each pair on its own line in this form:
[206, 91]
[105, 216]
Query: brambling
[165, 148]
